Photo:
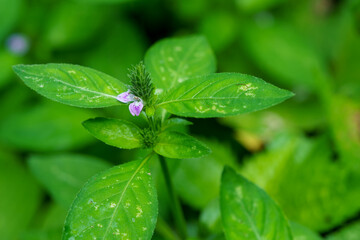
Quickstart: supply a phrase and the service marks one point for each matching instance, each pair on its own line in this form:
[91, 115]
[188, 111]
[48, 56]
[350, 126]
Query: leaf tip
[17, 68]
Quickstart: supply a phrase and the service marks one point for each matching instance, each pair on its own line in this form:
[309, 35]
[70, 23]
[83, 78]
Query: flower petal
[136, 107]
[125, 97]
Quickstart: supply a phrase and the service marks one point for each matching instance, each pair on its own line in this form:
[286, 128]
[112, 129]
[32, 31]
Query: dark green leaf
[222, 94]
[173, 144]
[115, 132]
[172, 61]
[118, 203]
[247, 212]
[63, 175]
[71, 84]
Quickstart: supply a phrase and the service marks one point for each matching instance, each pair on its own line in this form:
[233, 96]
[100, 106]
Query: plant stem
[165, 231]
[176, 207]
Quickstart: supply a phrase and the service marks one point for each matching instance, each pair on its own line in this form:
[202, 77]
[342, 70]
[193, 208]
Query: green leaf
[283, 52]
[196, 186]
[115, 132]
[20, 197]
[115, 61]
[247, 212]
[303, 233]
[350, 232]
[175, 124]
[63, 175]
[210, 217]
[67, 27]
[173, 144]
[295, 164]
[172, 61]
[118, 203]
[222, 94]
[71, 84]
[46, 127]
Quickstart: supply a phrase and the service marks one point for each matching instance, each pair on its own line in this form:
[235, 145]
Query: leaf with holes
[247, 212]
[120, 203]
[71, 84]
[222, 94]
[115, 132]
[172, 61]
[179, 145]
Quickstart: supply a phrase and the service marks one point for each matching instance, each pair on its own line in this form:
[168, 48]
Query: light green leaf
[20, 197]
[172, 61]
[210, 217]
[67, 27]
[175, 124]
[247, 212]
[294, 164]
[129, 50]
[63, 175]
[118, 203]
[173, 144]
[303, 233]
[72, 84]
[46, 127]
[222, 94]
[197, 187]
[115, 132]
[283, 52]
[350, 232]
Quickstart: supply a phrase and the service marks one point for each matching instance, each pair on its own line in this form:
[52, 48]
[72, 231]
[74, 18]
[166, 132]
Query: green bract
[71, 84]
[247, 212]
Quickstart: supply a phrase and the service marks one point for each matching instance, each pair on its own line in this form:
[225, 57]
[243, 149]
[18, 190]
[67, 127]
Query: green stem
[164, 230]
[176, 207]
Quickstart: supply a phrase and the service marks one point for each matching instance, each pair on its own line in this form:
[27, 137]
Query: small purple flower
[18, 44]
[137, 104]
[125, 97]
[136, 107]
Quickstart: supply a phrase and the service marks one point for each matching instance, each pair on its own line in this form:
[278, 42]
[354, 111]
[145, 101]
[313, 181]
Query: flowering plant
[177, 78]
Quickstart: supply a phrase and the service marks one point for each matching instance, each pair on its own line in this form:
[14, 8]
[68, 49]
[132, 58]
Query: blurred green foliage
[305, 153]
